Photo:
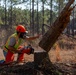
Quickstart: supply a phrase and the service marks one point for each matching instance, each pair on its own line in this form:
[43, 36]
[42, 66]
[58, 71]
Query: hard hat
[20, 28]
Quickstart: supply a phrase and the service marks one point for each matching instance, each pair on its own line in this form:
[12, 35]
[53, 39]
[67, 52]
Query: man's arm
[13, 49]
[32, 38]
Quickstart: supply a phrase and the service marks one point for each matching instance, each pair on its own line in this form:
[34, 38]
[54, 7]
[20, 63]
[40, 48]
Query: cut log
[50, 37]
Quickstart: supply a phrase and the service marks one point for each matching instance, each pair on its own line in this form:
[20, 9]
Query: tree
[33, 17]
[37, 19]
[51, 12]
[43, 2]
[59, 5]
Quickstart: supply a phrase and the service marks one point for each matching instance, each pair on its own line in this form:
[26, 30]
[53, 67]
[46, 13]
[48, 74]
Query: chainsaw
[27, 49]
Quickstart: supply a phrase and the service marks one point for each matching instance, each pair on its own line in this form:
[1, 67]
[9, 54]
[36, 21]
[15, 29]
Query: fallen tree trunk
[50, 37]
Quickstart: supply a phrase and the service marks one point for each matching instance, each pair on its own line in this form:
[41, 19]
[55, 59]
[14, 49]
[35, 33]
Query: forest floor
[64, 61]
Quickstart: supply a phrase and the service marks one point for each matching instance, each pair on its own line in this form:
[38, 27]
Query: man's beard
[22, 35]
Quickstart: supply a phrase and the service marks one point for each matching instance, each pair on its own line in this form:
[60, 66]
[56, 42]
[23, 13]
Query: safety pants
[9, 56]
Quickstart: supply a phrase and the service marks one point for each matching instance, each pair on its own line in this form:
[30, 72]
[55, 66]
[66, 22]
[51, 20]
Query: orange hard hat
[20, 28]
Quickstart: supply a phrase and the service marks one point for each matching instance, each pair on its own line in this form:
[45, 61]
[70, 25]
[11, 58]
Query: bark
[50, 37]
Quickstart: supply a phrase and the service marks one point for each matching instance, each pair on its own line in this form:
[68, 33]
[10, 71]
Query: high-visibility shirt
[17, 44]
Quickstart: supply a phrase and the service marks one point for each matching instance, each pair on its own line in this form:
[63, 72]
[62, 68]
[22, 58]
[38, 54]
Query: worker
[13, 43]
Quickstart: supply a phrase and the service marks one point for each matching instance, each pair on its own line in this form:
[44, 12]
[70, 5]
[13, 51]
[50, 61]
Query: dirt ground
[66, 56]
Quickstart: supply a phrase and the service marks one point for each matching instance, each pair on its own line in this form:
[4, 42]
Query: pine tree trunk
[50, 37]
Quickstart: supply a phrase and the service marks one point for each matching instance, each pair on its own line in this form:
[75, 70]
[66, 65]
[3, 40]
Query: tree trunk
[51, 18]
[33, 17]
[50, 37]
